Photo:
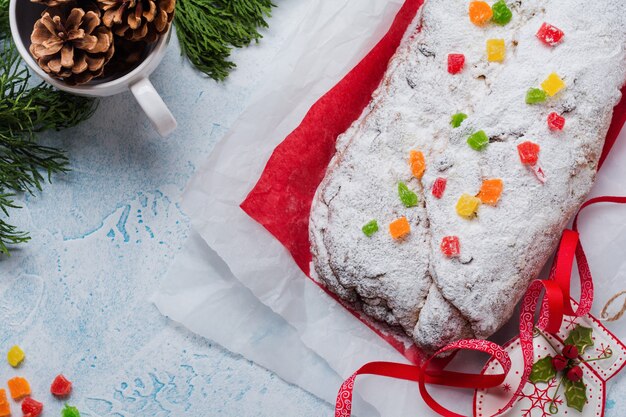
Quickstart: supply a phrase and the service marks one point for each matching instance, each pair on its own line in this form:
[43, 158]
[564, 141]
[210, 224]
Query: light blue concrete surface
[77, 296]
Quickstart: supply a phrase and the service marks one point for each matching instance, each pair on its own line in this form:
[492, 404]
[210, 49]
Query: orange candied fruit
[19, 388]
[399, 228]
[5, 407]
[490, 191]
[480, 12]
[418, 164]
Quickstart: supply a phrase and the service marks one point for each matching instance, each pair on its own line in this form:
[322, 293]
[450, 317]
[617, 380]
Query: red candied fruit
[439, 186]
[31, 408]
[556, 121]
[528, 153]
[61, 387]
[550, 35]
[456, 62]
[450, 246]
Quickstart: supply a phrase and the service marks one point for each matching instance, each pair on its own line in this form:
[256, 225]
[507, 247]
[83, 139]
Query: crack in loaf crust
[409, 283]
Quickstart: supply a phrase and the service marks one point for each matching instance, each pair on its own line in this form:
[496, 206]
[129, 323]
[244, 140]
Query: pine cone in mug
[71, 44]
[138, 20]
[128, 55]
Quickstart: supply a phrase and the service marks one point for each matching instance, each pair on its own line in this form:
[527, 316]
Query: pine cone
[128, 55]
[138, 20]
[53, 3]
[74, 46]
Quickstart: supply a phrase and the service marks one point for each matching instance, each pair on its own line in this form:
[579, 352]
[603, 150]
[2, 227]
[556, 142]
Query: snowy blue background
[77, 297]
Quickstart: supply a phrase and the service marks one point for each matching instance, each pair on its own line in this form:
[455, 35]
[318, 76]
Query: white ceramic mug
[23, 14]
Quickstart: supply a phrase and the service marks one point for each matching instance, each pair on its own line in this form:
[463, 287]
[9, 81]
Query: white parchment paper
[237, 285]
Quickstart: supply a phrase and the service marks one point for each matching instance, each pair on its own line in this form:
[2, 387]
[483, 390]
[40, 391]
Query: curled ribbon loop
[553, 297]
[562, 271]
[459, 379]
[426, 375]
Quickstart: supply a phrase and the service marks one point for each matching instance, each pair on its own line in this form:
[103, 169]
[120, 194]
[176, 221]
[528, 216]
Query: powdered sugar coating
[410, 283]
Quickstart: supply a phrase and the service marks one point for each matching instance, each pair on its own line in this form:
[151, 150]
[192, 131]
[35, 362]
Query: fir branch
[26, 109]
[208, 30]
[4, 19]
[9, 235]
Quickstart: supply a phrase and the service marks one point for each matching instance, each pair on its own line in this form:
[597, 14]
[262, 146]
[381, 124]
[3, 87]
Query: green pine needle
[25, 109]
[208, 30]
[4, 18]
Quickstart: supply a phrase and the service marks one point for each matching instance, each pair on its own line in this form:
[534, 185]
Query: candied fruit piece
[480, 12]
[31, 408]
[457, 119]
[418, 164]
[478, 141]
[528, 152]
[501, 13]
[467, 206]
[61, 387]
[535, 95]
[450, 246]
[15, 356]
[456, 62]
[556, 121]
[439, 186]
[550, 35]
[496, 50]
[19, 388]
[399, 228]
[553, 84]
[69, 411]
[5, 407]
[370, 228]
[490, 191]
[408, 197]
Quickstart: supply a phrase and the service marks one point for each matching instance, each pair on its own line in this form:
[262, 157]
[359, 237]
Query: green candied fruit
[370, 228]
[478, 141]
[501, 13]
[457, 119]
[408, 197]
[69, 411]
[536, 95]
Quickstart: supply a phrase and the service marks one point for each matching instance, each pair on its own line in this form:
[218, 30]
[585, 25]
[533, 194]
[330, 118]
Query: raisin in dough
[409, 283]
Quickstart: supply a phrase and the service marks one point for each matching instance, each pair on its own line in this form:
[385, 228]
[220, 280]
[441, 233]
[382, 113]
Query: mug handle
[154, 106]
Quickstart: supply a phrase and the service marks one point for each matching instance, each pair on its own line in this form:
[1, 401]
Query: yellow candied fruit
[15, 356]
[490, 191]
[19, 388]
[467, 206]
[496, 50]
[5, 407]
[418, 164]
[480, 12]
[399, 228]
[553, 84]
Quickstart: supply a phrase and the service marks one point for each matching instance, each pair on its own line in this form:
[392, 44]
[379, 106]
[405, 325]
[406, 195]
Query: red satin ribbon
[427, 375]
[555, 304]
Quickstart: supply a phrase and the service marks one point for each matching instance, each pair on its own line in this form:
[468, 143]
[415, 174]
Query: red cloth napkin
[281, 200]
